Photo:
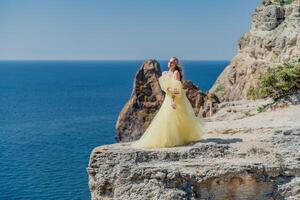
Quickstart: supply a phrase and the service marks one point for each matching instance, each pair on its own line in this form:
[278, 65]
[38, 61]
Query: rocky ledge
[244, 155]
[273, 39]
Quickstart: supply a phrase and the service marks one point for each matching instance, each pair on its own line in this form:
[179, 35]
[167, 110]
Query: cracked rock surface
[273, 39]
[256, 156]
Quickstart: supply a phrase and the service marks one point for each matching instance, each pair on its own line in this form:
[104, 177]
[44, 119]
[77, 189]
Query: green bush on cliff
[261, 108]
[220, 89]
[283, 2]
[277, 82]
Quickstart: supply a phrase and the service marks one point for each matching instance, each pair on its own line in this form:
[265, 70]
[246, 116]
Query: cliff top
[244, 152]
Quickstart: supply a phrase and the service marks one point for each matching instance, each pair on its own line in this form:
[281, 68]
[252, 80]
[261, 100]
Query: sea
[53, 113]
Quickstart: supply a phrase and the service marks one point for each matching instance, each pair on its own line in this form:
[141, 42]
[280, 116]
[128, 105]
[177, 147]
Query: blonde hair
[178, 67]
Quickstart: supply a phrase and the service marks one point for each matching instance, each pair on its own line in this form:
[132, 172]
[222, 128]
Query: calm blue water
[53, 113]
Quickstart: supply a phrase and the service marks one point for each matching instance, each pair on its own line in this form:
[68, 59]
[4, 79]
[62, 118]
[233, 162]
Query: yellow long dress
[171, 127]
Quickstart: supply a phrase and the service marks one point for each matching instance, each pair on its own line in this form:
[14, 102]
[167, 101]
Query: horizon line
[110, 59]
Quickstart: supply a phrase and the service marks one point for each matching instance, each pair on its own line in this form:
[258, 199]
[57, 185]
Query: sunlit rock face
[273, 39]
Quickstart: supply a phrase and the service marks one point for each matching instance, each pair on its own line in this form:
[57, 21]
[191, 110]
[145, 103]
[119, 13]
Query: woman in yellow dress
[175, 123]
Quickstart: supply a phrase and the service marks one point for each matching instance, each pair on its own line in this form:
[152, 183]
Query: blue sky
[121, 30]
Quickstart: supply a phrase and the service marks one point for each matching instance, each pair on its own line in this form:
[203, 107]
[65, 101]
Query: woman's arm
[174, 91]
[173, 102]
[177, 76]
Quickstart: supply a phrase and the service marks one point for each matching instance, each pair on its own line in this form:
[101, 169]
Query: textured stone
[274, 39]
[256, 156]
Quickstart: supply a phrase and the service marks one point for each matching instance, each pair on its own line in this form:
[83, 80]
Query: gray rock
[273, 39]
[209, 169]
[242, 156]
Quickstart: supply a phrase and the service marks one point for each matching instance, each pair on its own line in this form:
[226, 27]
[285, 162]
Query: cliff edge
[246, 154]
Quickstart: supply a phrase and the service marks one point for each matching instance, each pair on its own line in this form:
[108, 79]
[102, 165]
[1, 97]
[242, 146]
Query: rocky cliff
[274, 38]
[245, 155]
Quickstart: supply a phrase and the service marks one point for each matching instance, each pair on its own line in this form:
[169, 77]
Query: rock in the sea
[146, 99]
[274, 39]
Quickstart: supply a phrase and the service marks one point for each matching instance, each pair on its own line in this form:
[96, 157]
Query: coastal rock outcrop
[146, 99]
[274, 38]
[244, 155]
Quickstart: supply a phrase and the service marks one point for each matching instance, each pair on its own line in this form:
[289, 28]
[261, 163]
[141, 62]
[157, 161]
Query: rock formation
[245, 155]
[146, 99]
[274, 38]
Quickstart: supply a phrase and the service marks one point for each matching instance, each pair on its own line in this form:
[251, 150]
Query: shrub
[215, 97]
[261, 108]
[219, 88]
[277, 82]
[283, 2]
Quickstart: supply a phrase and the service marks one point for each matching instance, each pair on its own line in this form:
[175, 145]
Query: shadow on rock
[222, 141]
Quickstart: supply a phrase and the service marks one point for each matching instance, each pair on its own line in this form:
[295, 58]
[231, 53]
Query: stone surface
[250, 156]
[274, 38]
